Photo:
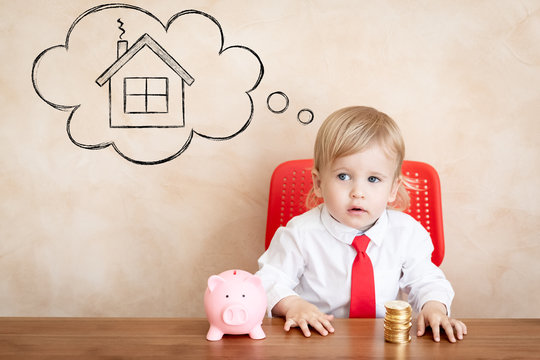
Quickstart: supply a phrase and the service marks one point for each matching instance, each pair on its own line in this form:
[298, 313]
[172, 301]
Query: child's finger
[302, 323]
[317, 325]
[460, 328]
[328, 325]
[449, 329]
[459, 332]
[421, 325]
[288, 324]
[436, 331]
[464, 328]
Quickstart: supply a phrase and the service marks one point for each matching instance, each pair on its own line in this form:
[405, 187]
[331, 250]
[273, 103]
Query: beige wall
[88, 233]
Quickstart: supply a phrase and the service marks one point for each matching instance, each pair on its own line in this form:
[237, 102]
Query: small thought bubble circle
[277, 102]
[305, 116]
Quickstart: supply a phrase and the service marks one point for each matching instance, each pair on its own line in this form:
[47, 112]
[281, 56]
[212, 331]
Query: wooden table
[140, 338]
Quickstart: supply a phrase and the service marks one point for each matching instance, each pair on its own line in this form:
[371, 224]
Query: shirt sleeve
[281, 267]
[421, 279]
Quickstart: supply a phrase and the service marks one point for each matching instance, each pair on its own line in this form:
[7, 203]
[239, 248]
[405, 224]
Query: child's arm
[300, 313]
[433, 314]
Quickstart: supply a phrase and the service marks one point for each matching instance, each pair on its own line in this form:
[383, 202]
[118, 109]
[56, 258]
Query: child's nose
[357, 193]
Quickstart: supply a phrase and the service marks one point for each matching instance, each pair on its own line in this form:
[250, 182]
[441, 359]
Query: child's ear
[394, 190]
[315, 176]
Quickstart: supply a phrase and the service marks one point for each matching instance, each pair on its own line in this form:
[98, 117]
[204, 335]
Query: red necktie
[362, 282]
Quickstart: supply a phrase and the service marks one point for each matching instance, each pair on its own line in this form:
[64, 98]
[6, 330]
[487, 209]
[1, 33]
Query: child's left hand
[433, 314]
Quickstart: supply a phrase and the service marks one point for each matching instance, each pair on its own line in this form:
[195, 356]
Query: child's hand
[300, 313]
[433, 314]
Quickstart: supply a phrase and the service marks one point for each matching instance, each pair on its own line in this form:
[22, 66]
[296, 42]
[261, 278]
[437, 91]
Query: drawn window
[146, 95]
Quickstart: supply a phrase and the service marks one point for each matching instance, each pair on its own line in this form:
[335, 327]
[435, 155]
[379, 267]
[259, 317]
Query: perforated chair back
[291, 183]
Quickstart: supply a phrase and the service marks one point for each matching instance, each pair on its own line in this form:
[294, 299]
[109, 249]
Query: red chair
[291, 182]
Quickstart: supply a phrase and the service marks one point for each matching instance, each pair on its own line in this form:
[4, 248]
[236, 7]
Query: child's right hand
[300, 313]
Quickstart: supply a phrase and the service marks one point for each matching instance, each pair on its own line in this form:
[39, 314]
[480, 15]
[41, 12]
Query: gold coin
[404, 325]
[395, 333]
[401, 322]
[398, 327]
[397, 338]
[396, 317]
[392, 337]
[399, 341]
[398, 313]
[397, 305]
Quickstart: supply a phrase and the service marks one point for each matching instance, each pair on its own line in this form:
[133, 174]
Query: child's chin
[358, 225]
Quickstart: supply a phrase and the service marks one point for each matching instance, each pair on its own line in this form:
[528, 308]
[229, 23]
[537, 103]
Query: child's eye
[344, 177]
[373, 179]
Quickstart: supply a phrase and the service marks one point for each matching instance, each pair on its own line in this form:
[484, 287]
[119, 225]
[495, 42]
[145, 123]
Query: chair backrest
[291, 183]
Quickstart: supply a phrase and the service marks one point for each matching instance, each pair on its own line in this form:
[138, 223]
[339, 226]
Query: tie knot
[360, 243]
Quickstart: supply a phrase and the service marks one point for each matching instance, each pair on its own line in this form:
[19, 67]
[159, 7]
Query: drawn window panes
[146, 95]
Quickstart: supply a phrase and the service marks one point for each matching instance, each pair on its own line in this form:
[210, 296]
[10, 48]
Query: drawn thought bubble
[146, 88]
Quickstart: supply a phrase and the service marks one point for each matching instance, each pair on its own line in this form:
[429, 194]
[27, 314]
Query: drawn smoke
[121, 45]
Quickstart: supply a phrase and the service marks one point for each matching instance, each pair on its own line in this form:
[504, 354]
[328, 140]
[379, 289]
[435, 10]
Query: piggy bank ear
[253, 279]
[214, 281]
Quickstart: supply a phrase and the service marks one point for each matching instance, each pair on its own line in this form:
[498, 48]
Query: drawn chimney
[121, 48]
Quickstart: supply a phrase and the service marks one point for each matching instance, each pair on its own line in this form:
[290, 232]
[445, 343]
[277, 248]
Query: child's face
[357, 188]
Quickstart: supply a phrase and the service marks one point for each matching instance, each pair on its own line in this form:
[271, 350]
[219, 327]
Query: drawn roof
[145, 40]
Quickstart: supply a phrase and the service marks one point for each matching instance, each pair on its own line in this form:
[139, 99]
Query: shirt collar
[347, 234]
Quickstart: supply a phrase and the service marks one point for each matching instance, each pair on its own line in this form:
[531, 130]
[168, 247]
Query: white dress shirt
[312, 257]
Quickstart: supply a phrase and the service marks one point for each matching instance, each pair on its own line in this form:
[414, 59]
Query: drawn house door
[146, 87]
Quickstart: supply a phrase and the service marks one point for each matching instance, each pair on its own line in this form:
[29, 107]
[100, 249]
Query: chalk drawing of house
[146, 86]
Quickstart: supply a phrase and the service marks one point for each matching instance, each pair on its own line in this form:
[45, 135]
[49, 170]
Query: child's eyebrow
[341, 168]
[379, 174]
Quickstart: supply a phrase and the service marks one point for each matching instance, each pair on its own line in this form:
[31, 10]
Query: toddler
[307, 269]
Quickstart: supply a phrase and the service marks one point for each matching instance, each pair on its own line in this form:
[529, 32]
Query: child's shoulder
[403, 220]
[301, 227]
[399, 215]
[308, 220]
[308, 225]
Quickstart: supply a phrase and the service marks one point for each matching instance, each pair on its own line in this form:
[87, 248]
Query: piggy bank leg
[214, 334]
[257, 333]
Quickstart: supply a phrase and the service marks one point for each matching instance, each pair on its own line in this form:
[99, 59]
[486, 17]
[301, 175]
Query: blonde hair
[352, 129]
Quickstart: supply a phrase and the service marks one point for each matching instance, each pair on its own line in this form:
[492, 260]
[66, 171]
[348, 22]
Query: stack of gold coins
[397, 321]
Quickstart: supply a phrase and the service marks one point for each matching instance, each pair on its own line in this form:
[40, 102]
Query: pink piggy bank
[235, 303]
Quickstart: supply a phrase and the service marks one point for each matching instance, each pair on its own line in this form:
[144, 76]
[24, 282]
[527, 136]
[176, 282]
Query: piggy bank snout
[235, 314]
